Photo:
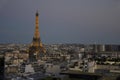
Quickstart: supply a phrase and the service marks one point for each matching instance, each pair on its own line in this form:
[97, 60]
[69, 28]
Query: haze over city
[60, 21]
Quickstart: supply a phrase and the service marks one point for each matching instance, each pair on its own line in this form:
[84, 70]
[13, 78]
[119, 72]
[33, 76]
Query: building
[1, 67]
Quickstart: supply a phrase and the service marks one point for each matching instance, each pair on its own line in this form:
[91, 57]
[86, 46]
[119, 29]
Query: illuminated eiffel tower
[36, 47]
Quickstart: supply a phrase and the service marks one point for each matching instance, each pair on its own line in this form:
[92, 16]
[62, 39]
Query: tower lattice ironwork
[36, 47]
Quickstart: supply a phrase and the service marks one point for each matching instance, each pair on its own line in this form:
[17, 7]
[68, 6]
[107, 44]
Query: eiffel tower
[36, 48]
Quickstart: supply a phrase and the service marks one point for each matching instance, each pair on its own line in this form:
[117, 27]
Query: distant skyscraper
[36, 47]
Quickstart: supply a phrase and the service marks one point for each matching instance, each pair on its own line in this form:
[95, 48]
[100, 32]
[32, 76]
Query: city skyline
[64, 21]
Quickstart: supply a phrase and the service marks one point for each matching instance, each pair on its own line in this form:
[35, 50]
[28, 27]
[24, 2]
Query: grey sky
[61, 21]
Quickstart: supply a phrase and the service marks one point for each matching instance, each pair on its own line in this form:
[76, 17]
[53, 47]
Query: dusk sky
[60, 21]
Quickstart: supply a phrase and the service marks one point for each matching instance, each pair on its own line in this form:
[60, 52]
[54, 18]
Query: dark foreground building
[1, 67]
[76, 75]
